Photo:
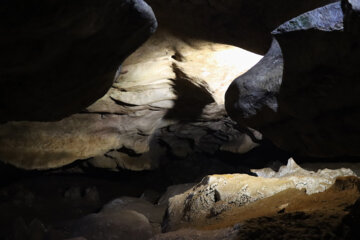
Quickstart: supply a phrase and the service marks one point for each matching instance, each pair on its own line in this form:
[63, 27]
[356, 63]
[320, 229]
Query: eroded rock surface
[303, 95]
[218, 193]
[58, 57]
[165, 82]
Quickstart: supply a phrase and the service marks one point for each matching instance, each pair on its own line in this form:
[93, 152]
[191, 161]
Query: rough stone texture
[167, 81]
[243, 23]
[58, 57]
[313, 182]
[218, 193]
[303, 95]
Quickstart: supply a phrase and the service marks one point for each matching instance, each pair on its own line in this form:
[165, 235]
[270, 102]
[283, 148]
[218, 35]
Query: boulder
[217, 194]
[58, 57]
[303, 95]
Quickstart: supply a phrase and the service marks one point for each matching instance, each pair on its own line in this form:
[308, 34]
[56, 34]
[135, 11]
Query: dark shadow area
[187, 107]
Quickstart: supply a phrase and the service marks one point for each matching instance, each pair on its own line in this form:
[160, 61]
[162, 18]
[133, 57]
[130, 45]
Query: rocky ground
[291, 203]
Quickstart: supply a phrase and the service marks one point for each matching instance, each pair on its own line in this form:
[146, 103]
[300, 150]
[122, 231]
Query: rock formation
[170, 90]
[64, 97]
[219, 193]
[58, 57]
[303, 95]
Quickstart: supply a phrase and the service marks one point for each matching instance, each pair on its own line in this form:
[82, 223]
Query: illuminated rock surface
[166, 81]
[220, 193]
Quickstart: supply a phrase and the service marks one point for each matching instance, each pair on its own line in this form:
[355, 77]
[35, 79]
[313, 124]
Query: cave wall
[58, 57]
[169, 81]
[303, 95]
[178, 77]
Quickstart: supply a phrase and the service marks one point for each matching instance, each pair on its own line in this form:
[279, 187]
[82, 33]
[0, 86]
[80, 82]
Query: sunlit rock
[313, 182]
[166, 81]
[218, 193]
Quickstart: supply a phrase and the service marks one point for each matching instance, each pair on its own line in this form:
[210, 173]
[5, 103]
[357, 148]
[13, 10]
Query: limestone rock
[218, 193]
[167, 81]
[59, 57]
[303, 94]
[313, 182]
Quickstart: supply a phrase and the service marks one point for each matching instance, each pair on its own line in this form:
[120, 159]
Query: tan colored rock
[218, 193]
[313, 182]
[168, 79]
[290, 214]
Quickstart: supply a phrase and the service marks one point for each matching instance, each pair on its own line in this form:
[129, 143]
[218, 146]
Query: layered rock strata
[167, 81]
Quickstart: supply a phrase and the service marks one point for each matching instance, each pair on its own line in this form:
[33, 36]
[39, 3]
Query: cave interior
[179, 119]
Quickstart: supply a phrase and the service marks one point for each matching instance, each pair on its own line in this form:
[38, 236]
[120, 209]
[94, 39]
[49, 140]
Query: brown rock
[166, 81]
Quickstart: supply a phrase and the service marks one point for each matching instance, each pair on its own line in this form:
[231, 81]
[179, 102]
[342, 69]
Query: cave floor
[291, 214]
